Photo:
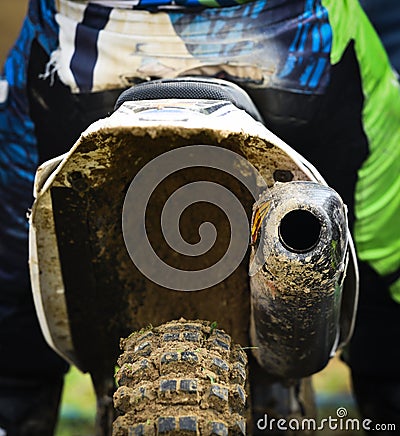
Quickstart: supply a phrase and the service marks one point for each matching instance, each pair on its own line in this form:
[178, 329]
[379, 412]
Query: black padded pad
[202, 88]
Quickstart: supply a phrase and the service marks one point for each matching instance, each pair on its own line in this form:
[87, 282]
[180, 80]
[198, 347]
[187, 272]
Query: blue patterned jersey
[275, 43]
[18, 151]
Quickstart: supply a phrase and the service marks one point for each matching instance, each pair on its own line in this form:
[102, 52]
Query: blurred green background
[78, 406]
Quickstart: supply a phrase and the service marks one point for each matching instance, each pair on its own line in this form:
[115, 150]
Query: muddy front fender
[88, 292]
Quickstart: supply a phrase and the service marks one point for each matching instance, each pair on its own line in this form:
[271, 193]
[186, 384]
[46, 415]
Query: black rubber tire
[183, 378]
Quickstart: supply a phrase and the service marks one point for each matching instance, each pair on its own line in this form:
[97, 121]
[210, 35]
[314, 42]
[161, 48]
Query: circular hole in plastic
[299, 231]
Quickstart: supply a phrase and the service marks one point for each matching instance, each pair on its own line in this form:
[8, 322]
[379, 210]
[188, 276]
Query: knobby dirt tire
[182, 377]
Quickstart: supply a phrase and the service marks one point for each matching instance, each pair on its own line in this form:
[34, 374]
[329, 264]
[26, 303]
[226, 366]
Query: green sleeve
[377, 196]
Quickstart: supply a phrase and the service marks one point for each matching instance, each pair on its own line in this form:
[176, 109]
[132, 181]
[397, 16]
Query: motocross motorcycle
[182, 224]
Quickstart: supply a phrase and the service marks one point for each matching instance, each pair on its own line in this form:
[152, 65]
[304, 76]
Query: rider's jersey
[169, 4]
[276, 43]
[283, 44]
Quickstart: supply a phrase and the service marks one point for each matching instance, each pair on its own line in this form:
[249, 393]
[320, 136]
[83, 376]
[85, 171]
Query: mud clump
[184, 377]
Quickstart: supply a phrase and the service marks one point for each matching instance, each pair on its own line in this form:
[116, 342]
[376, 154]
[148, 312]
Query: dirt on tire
[184, 377]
